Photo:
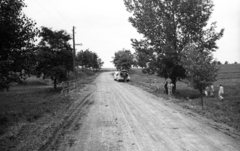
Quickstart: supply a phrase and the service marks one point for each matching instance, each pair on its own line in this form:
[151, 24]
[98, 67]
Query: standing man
[206, 91]
[170, 86]
[220, 92]
[166, 87]
[212, 90]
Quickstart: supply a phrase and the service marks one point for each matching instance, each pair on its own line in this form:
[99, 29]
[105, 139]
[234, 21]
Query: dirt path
[123, 117]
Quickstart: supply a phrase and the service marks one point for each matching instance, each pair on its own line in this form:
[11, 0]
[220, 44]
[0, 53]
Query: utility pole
[74, 53]
[74, 70]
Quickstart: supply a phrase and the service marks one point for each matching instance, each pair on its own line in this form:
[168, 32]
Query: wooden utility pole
[74, 64]
[74, 53]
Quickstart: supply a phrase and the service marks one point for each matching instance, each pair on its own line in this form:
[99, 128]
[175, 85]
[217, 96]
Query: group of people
[209, 91]
[168, 86]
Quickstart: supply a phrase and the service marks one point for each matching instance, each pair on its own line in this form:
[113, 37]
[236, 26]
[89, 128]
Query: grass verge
[226, 111]
[33, 99]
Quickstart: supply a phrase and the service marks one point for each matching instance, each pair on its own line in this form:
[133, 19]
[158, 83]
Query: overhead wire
[58, 12]
[47, 12]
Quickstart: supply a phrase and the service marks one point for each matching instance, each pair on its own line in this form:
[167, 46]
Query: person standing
[220, 92]
[170, 86]
[206, 91]
[166, 87]
[212, 90]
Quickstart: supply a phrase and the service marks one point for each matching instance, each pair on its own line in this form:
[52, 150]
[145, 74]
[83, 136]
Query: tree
[89, 59]
[95, 64]
[168, 26]
[54, 55]
[100, 63]
[142, 52]
[79, 59]
[16, 42]
[235, 62]
[226, 62]
[200, 68]
[219, 63]
[123, 59]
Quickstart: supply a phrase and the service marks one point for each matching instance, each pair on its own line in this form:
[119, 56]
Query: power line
[47, 11]
[59, 13]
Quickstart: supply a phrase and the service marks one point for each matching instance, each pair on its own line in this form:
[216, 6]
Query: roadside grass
[226, 111]
[27, 103]
[33, 99]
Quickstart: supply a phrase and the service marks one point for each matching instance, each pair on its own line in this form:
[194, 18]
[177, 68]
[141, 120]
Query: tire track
[68, 123]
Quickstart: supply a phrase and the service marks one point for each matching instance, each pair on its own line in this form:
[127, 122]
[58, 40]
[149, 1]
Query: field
[225, 112]
[25, 104]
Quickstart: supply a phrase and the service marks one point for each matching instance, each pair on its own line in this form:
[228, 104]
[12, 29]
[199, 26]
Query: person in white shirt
[212, 90]
[170, 87]
[220, 92]
[206, 91]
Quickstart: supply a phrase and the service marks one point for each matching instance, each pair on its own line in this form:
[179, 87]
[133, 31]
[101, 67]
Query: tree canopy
[88, 59]
[168, 26]
[54, 55]
[16, 42]
[123, 59]
[201, 69]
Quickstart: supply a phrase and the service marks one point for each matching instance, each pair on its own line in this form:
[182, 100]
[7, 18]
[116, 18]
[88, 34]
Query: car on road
[121, 76]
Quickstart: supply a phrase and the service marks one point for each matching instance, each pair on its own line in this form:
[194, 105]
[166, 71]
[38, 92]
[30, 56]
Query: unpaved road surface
[121, 117]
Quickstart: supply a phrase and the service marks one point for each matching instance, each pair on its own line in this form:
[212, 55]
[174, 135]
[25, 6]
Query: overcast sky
[103, 27]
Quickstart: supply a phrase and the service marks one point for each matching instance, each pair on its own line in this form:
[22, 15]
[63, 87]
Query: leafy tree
[142, 52]
[95, 65]
[54, 55]
[79, 58]
[16, 42]
[89, 59]
[219, 63]
[226, 62]
[100, 63]
[200, 68]
[235, 62]
[168, 26]
[123, 59]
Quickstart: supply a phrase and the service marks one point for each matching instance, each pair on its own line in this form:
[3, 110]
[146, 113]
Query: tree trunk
[202, 99]
[55, 83]
[174, 81]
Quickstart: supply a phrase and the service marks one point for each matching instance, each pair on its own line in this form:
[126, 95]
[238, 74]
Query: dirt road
[125, 118]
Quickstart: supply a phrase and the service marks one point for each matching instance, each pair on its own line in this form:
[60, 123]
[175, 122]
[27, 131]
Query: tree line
[21, 55]
[178, 40]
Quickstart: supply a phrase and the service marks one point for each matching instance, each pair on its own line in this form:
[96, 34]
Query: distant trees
[54, 55]
[235, 62]
[123, 59]
[168, 26]
[226, 62]
[89, 60]
[201, 69]
[17, 34]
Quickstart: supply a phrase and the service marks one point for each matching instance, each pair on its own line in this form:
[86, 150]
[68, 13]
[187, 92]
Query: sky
[103, 27]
